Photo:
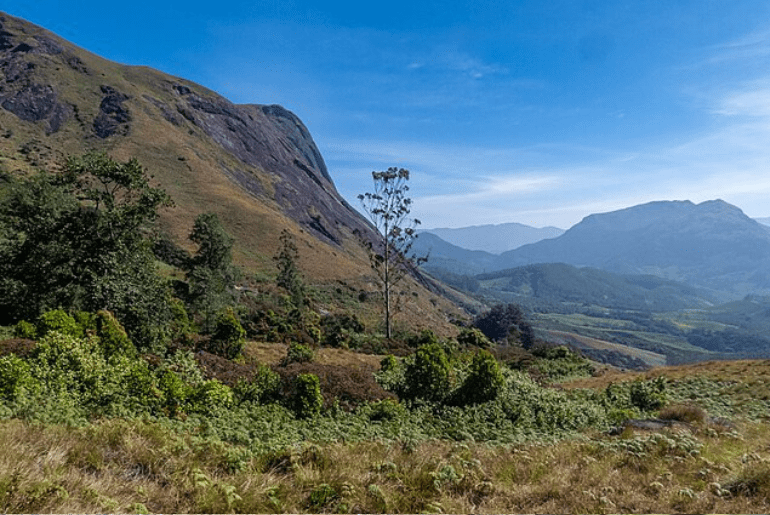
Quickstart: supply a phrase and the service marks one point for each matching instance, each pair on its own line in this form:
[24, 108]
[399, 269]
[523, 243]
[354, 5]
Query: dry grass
[755, 373]
[126, 467]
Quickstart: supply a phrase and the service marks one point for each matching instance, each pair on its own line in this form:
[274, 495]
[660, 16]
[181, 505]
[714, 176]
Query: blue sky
[526, 111]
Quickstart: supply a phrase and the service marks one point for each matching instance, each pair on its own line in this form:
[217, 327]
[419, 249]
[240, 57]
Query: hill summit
[712, 244]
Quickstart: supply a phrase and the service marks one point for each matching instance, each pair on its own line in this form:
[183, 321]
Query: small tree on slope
[388, 209]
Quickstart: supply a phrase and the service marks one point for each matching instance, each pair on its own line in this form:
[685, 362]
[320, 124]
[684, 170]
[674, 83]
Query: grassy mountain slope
[256, 166]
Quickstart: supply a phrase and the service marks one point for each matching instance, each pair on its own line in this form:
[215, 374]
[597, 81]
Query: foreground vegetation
[140, 379]
[701, 463]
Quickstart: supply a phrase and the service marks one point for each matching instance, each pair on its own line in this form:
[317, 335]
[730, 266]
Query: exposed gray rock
[59, 116]
[112, 115]
[32, 103]
[164, 109]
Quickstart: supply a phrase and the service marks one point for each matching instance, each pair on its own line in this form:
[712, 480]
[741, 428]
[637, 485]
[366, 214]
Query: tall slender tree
[388, 208]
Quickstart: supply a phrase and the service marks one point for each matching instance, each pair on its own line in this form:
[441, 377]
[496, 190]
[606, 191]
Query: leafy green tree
[388, 208]
[211, 273]
[229, 335]
[506, 323]
[484, 382]
[81, 239]
[429, 376]
[289, 277]
[306, 399]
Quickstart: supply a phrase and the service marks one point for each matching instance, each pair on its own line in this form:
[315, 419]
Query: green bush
[15, 377]
[322, 497]
[306, 400]
[386, 409]
[58, 320]
[338, 330]
[264, 387]
[176, 392]
[484, 382]
[472, 337]
[429, 375]
[86, 321]
[298, 353]
[648, 395]
[112, 336]
[24, 329]
[229, 336]
[211, 394]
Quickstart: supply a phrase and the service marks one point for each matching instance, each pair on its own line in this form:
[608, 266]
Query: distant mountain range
[711, 245]
[495, 239]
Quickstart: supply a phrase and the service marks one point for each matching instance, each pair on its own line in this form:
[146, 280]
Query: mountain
[452, 258]
[712, 245]
[255, 166]
[558, 282]
[495, 239]
[763, 221]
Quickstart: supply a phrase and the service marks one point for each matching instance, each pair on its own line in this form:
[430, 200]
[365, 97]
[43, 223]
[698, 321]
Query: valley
[194, 320]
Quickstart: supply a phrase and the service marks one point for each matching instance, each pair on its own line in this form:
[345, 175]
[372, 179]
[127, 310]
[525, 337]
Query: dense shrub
[506, 323]
[649, 395]
[338, 330]
[429, 375]
[298, 353]
[15, 377]
[306, 400]
[60, 321]
[228, 337]
[112, 336]
[264, 387]
[24, 329]
[473, 337]
[211, 394]
[484, 382]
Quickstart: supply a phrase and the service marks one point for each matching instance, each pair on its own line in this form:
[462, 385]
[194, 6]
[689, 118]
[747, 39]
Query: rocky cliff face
[57, 99]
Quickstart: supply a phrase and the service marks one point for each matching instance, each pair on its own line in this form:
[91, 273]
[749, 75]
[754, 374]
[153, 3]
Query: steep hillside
[712, 244]
[256, 166]
[497, 238]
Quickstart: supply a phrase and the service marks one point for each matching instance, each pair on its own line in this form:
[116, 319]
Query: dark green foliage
[649, 395]
[306, 400]
[505, 323]
[384, 410]
[473, 337]
[24, 329]
[15, 377]
[322, 498]
[211, 272]
[484, 382]
[554, 364]
[340, 330]
[112, 336]
[263, 388]
[60, 321]
[180, 325]
[79, 239]
[298, 353]
[211, 395]
[229, 336]
[289, 277]
[176, 392]
[424, 337]
[429, 376]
